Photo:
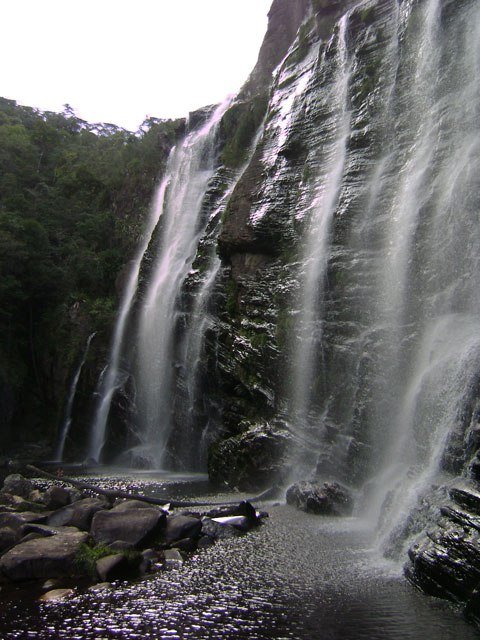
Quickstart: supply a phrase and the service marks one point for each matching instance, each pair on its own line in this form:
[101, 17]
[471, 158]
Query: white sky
[122, 60]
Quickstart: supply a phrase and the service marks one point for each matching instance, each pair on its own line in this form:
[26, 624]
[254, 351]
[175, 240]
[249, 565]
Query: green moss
[231, 305]
[239, 126]
[87, 556]
[367, 16]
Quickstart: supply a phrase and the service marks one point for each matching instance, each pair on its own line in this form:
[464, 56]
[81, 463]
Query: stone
[114, 567]
[56, 594]
[180, 527]
[217, 530]
[50, 584]
[17, 520]
[8, 537]
[17, 503]
[329, 498]
[36, 496]
[56, 497]
[50, 557]
[17, 485]
[125, 505]
[79, 514]
[133, 526]
[173, 558]
[45, 531]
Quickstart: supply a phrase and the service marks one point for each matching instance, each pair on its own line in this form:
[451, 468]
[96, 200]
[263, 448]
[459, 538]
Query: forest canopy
[73, 197]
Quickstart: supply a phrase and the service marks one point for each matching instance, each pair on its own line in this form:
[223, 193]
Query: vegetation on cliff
[73, 197]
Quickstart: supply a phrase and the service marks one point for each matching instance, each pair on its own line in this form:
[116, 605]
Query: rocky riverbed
[299, 576]
[59, 533]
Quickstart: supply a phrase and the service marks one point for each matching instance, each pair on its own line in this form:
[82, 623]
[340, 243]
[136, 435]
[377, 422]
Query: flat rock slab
[51, 557]
[16, 520]
[134, 526]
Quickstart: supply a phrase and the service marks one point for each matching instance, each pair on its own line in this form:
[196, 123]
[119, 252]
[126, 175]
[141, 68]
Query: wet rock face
[251, 460]
[445, 561]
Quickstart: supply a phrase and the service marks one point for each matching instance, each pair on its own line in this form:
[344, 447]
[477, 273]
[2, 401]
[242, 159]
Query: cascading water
[67, 421]
[387, 329]
[113, 377]
[308, 338]
[182, 225]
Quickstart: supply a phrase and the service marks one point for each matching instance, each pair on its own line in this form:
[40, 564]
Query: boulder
[17, 520]
[173, 558]
[120, 546]
[45, 530]
[134, 526]
[180, 527]
[50, 557]
[218, 530]
[329, 498]
[8, 537]
[56, 497]
[56, 594]
[125, 505]
[17, 503]
[17, 485]
[114, 567]
[79, 514]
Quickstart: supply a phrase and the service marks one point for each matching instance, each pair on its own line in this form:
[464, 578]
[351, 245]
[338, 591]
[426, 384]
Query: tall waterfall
[387, 329]
[113, 376]
[174, 247]
[308, 347]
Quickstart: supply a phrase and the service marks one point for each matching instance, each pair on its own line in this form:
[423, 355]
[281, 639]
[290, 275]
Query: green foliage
[73, 197]
[87, 556]
[232, 294]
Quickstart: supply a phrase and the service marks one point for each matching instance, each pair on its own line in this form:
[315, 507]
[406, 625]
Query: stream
[297, 576]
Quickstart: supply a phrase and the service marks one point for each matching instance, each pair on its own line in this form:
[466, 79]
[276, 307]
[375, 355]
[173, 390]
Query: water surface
[298, 576]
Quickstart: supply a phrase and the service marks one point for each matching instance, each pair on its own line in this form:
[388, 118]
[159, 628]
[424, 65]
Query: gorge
[304, 301]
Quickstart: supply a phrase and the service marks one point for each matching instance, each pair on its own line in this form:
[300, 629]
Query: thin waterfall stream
[67, 421]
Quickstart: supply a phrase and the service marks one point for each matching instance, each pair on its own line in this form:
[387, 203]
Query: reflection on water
[298, 576]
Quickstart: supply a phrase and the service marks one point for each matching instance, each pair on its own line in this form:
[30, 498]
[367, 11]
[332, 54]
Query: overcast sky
[122, 60]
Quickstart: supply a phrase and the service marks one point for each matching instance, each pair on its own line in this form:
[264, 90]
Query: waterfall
[113, 377]
[67, 421]
[182, 224]
[308, 336]
[387, 332]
